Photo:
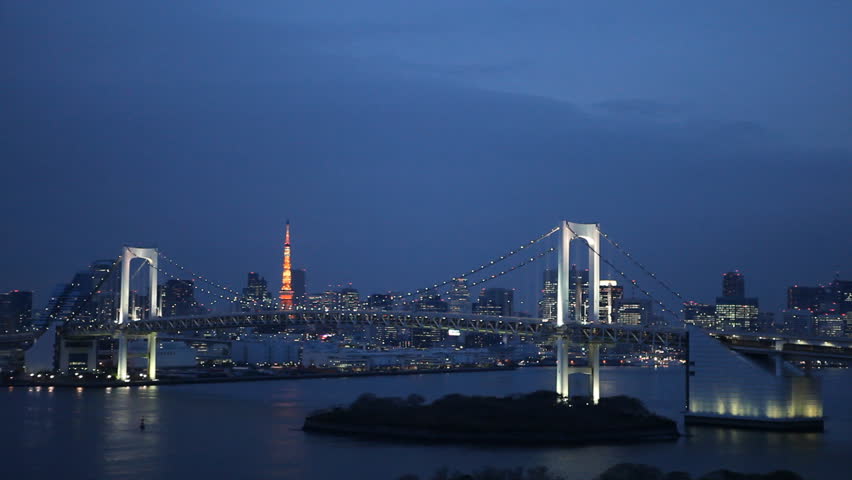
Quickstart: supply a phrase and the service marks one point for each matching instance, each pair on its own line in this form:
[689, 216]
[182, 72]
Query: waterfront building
[700, 314]
[267, 350]
[633, 311]
[426, 337]
[285, 295]
[458, 299]
[16, 310]
[733, 285]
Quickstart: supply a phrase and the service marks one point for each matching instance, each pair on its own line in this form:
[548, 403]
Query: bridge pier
[121, 361]
[595, 370]
[564, 369]
[152, 356]
[779, 358]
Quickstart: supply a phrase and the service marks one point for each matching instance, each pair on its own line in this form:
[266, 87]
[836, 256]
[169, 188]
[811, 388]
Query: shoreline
[265, 378]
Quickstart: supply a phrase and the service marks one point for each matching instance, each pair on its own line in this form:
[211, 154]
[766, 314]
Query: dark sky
[408, 141]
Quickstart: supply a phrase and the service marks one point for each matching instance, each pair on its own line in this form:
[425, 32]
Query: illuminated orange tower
[285, 296]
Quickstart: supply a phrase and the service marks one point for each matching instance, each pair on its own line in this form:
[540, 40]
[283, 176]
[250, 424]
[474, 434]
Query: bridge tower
[590, 232]
[150, 256]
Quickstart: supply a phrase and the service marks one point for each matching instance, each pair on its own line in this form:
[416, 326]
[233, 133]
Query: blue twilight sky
[408, 141]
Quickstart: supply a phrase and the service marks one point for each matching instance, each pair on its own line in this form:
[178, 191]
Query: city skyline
[385, 159]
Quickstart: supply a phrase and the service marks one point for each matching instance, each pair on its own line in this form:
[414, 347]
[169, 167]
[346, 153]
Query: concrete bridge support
[121, 361]
[69, 347]
[564, 369]
[152, 356]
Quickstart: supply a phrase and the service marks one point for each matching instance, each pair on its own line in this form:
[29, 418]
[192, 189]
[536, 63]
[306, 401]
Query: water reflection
[256, 426]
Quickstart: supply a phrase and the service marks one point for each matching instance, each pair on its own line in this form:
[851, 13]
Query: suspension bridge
[576, 321]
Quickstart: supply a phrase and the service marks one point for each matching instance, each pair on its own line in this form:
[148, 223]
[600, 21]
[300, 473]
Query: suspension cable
[498, 275]
[623, 275]
[206, 280]
[474, 271]
[641, 266]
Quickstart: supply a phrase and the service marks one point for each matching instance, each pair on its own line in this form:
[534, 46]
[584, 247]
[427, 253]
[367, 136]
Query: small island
[537, 418]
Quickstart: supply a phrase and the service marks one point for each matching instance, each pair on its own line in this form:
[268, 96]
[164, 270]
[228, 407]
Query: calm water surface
[251, 430]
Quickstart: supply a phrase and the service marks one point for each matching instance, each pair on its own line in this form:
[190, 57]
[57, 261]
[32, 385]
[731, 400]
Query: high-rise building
[841, 292]
[633, 311]
[610, 293]
[256, 295]
[459, 297]
[700, 314]
[285, 295]
[495, 301]
[806, 298]
[737, 314]
[733, 285]
[16, 310]
[578, 298]
[549, 295]
[300, 283]
[177, 298]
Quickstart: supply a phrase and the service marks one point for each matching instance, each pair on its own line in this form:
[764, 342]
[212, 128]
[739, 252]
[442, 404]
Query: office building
[610, 293]
[177, 298]
[633, 311]
[458, 299]
[299, 284]
[737, 314]
[700, 315]
[547, 304]
[431, 303]
[256, 295]
[797, 322]
[495, 301]
[806, 298]
[830, 324]
[350, 299]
